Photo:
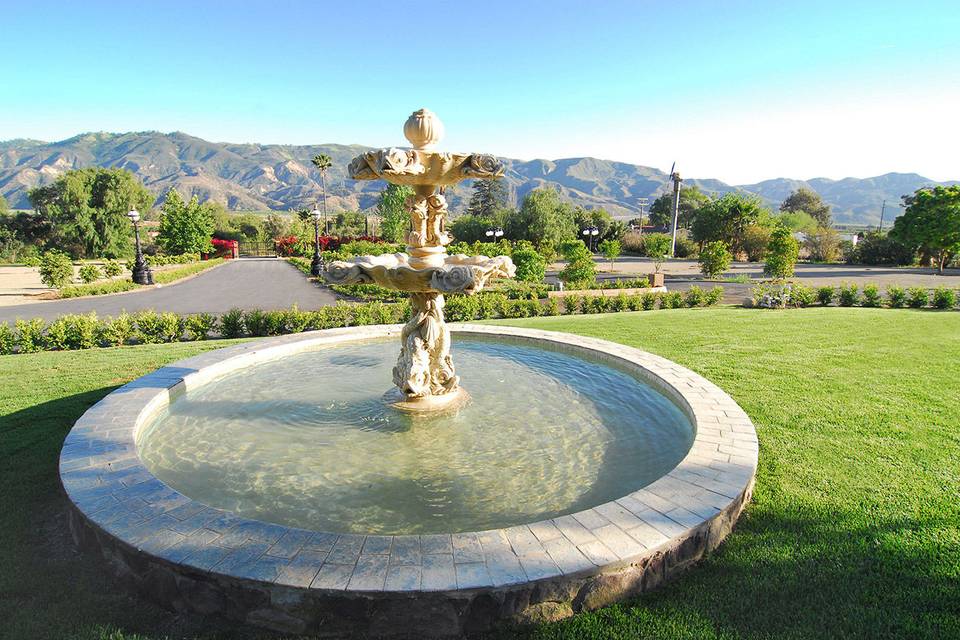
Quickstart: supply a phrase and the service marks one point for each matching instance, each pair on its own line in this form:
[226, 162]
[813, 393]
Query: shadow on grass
[806, 574]
[790, 570]
[49, 589]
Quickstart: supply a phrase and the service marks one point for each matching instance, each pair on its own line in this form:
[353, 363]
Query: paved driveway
[248, 283]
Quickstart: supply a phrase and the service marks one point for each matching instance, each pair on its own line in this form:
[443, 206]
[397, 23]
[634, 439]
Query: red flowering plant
[286, 246]
[224, 248]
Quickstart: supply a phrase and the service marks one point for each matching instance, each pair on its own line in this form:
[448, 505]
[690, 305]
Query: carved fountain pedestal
[424, 375]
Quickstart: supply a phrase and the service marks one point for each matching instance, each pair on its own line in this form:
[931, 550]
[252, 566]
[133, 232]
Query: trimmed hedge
[87, 331]
[791, 294]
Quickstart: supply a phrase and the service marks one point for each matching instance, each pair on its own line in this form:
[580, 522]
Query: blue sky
[740, 91]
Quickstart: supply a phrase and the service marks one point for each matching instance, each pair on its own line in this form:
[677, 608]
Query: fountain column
[424, 375]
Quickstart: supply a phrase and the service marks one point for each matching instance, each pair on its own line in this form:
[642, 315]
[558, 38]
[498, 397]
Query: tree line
[83, 213]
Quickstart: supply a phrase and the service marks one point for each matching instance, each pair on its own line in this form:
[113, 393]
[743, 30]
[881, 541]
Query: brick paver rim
[103, 476]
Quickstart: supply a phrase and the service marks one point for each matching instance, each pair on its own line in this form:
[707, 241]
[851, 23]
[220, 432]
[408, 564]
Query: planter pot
[656, 279]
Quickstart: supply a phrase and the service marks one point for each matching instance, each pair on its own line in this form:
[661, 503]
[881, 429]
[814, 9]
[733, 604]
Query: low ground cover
[853, 531]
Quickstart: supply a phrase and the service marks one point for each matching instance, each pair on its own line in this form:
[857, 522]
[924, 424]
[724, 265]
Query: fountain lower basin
[383, 577]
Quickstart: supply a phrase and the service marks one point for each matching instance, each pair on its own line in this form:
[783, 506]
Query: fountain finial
[423, 129]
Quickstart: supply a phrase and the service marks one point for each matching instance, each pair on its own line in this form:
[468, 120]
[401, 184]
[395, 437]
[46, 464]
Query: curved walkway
[246, 283]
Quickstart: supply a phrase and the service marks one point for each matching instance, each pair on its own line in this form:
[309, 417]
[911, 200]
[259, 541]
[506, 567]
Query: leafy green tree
[726, 218]
[391, 208]
[808, 201]
[714, 258]
[541, 217]
[276, 226]
[879, 248]
[531, 266]
[691, 201]
[488, 198]
[581, 269]
[657, 247]
[607, 227]
[931, 223]
[611, 250]
[797, 221]
[823, 244]
[349, 223]
[56, 270]
[87, 211]
[469, 228]
[756, 237]
[184, 228]
[782, 253]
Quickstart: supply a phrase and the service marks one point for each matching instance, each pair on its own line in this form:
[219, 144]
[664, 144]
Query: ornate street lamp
[141, 271]
[316, 266]
[494, 234]
[590, 235]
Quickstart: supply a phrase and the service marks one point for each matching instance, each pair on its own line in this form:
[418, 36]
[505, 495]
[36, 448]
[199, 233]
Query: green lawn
[854, 530]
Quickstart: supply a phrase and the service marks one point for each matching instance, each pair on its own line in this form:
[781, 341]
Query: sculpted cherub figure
[419, 217]
[437, 205]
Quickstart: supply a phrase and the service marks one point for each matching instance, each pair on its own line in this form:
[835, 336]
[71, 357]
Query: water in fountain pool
[307, 441]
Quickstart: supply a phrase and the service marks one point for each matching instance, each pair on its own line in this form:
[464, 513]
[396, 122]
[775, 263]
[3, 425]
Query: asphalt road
[248, 283]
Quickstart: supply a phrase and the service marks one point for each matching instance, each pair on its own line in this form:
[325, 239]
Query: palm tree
[323, 162]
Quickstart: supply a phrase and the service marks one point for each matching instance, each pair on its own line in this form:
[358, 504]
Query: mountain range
[278, 177]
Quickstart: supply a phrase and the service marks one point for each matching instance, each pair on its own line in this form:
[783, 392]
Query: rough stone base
[390, 615]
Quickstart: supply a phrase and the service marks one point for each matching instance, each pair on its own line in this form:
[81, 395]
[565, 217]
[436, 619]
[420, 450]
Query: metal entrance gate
[257, 250]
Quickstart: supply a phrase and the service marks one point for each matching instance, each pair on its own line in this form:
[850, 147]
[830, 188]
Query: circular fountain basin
[269, 483]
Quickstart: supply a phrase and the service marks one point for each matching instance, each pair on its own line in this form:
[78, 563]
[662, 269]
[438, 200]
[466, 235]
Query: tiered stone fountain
[424, 374]
[268, 483]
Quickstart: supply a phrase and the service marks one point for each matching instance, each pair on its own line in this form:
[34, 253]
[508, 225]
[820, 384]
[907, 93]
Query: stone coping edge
[672, 521]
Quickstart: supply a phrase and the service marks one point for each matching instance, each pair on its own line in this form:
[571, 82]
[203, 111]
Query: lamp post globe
[316, 265]
[590, 236]
[141, 270]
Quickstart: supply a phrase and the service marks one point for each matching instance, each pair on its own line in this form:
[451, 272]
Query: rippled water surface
[306, 441]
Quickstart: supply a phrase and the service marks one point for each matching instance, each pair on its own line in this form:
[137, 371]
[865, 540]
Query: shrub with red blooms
[223, 248]
[286, 246]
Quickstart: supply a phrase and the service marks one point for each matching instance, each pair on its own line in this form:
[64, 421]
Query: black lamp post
[494, 234]
[141, 271]
[316, 266]
[590, 235]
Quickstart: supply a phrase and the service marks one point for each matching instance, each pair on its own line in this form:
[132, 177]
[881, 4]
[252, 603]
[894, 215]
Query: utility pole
[642, 202]
[883, 208]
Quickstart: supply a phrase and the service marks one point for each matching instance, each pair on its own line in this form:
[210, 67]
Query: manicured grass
[165, 276]
[854, 530]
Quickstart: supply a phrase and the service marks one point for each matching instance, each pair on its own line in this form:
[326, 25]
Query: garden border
[191, 556]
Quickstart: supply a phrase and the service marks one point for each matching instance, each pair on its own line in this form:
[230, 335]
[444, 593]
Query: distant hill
[272, 176]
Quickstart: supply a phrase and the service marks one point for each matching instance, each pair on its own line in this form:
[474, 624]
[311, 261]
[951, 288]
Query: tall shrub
[657, 247]
[531, 266]
[782, 253]
[580, 269]
[714, 258]
[56, 270]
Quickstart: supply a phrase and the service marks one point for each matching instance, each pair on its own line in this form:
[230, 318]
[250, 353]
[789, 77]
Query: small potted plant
[657, 247]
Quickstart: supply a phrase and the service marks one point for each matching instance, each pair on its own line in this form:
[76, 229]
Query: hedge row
[146, 327]
[791, 294]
